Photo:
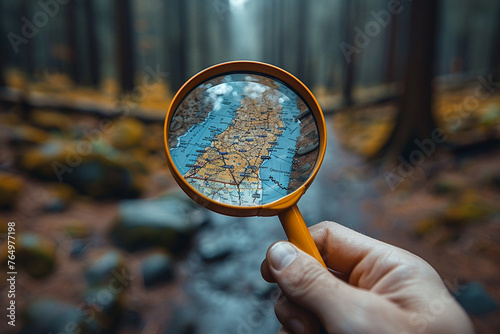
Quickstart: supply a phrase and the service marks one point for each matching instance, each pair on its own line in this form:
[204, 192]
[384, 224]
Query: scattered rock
[308, 148]
[61, 190]
[234, 314]
[55, 204]
[44, 316]
[184, 321]
[60, 196]
[77, 229]
[490, 117]
[167, 221]
[448, 184]
[176, 123]
[106, 304]
[105, 268]
[157, 268]
[127, 133]
[305, 168]
[35, 254]
[10, 189]
[99, 171]
[78, 247]
[475, 300]
[213, 250]
[40, 160]
[303, 178]
[101, 179]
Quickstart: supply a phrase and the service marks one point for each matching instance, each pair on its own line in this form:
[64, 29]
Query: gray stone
[99, 171]
[232, 314]
[55, 205]
[475, 300]
[308, 148]
[305, 168]
[106, 304]
[105, 268]
[35, 254]
[167, 221]
[157, 268]
[212, 250]
[44, 316]
[78, 247]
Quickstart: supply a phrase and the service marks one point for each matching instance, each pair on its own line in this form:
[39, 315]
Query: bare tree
[348, 75]
[93, 44]
[302, 45]
[76, 69]
[415, 120]
[495, 53]
[29, 54]
[125, 45]
[2, 59]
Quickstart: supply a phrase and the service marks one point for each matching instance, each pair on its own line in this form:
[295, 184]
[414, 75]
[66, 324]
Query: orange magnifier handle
[297, 232]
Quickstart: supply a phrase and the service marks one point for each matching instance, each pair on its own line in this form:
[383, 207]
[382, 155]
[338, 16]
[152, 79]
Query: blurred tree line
[338, 46]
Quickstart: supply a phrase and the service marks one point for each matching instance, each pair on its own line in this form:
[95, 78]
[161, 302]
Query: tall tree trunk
[2, 57]
[125, 45]
[93, 44]
[415, 118]
[302, 45]
[75, 65]
[495, 52]
[390, 50]
[348, 75]
[29, 59]
[182, 42]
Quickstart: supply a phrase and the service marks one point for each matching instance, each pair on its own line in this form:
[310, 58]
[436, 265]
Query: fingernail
[296, 326]
[282, 255]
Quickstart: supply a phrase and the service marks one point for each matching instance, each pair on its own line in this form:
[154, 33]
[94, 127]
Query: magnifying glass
[247, 138]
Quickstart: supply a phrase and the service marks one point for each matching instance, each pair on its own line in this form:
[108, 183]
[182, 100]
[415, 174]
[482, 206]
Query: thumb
[304, 281]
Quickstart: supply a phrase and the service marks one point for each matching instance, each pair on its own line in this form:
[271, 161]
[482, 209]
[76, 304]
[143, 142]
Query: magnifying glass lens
[244, 139]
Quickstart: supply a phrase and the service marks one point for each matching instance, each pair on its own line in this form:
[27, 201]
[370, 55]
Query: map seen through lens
[243, 139]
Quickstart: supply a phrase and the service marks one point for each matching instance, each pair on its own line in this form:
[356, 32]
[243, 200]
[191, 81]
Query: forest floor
[447, 212]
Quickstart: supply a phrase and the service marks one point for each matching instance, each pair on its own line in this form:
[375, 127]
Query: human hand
[372, 287]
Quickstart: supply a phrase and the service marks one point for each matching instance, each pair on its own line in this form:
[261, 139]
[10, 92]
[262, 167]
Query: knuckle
[301, 283]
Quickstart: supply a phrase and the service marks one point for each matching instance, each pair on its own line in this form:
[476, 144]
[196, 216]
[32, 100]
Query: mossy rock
[127, 133]
[48, 315]
[167, 221]
[107, 304]
[107, 268]
[11, 187]
[157, 268]
[35, 254]
[77, 229]
[98, 171]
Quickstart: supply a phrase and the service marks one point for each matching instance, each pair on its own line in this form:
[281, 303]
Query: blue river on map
[275, 172]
